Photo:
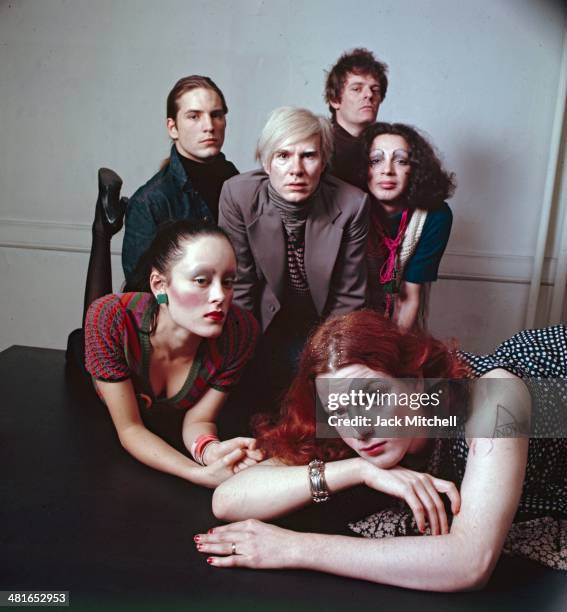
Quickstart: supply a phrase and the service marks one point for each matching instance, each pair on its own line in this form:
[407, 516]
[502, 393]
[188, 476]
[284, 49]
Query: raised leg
[109, 218]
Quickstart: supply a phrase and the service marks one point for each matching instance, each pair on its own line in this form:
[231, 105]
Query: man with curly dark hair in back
[355, 87]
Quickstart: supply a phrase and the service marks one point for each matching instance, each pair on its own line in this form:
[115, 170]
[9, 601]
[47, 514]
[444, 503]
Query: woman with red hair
[512, 488]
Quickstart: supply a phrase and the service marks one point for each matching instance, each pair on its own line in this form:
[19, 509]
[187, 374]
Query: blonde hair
[293, 124]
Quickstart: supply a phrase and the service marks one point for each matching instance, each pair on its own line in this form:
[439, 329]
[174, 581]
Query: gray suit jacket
[335, 246]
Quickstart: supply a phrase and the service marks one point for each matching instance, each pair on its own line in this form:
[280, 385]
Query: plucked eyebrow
[394, 152]
[202, 270]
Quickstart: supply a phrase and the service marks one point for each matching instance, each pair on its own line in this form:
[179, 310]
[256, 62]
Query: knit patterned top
[296, 268]
[118, 347]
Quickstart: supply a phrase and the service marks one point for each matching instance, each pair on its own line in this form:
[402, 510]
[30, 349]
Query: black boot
[110, 207]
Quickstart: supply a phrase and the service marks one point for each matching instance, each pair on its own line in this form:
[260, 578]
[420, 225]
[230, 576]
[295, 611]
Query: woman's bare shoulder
[500, 406]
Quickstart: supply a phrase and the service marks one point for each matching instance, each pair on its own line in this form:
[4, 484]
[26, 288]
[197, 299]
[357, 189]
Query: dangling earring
[161, 298]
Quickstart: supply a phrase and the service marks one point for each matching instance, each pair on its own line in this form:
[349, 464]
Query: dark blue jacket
[169, 194]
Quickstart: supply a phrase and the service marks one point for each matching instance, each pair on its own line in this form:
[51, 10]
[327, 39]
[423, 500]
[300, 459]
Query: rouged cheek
[189, 298]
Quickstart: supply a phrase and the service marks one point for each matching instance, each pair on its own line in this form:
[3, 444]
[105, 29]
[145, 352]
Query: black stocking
[109, 217]
[99, 274]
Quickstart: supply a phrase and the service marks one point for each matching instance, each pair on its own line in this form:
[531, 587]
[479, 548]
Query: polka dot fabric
[539, 532]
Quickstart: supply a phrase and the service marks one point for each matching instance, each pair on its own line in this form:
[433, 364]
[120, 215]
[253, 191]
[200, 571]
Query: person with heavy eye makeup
[300, 239]
[450, 504]
[164, 359]
[410, 222]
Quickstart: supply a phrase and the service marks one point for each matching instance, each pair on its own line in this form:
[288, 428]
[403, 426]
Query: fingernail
[210, 561]
[199, 546]
[197, 538]
[210, 530]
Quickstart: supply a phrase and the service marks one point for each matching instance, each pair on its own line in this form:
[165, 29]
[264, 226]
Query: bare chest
[168, 376]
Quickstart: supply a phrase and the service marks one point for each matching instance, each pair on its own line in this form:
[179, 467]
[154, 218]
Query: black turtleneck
[208, 178]
[347, 158]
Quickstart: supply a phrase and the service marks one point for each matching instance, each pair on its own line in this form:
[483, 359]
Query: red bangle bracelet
[199, 445]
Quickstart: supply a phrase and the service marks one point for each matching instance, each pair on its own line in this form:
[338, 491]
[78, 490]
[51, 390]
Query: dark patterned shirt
[296, 267]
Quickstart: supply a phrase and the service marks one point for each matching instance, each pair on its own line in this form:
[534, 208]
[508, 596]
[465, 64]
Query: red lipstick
[374, 449]
[215, 315]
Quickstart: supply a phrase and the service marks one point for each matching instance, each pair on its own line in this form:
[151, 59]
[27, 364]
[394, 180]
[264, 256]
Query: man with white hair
[300, 239]
[300, 235]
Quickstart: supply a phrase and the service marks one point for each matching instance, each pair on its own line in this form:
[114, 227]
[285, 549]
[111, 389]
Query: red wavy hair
[361, 337]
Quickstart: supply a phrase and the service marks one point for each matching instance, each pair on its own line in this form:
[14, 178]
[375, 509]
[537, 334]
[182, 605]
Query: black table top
[79, 514]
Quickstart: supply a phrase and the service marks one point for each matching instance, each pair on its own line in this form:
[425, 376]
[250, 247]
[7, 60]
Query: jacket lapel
[322, 243]
[268, 245]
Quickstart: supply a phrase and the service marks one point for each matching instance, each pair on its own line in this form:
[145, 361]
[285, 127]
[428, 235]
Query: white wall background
[84, 83]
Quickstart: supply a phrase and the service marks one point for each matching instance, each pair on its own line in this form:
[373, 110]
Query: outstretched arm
[244, 496]
[459, 560]
[151, 449]
[406, 307]
[271, 489]
[200, 420]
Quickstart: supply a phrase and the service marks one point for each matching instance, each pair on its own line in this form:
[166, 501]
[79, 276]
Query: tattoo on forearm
[508, 425]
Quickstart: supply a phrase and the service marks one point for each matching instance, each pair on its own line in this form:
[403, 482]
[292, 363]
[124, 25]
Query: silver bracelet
[317, 482]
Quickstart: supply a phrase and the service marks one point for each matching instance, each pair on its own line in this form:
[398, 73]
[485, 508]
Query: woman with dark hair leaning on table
[410, 221]
[164, 359]
[512, 490]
